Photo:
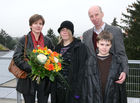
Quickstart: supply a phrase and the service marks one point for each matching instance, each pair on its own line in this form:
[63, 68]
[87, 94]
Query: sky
[15, 14]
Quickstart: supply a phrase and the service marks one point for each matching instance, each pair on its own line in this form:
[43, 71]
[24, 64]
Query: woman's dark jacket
[77, 54]
[25, 86]
[114, 93]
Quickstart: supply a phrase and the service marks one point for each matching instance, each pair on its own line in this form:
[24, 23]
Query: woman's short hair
[35, 18]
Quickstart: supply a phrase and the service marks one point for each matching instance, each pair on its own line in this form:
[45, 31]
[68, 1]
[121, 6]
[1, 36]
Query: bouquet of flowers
[44, 63]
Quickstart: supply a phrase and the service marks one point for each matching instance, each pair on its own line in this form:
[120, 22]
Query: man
[89, 38]
[90, 85]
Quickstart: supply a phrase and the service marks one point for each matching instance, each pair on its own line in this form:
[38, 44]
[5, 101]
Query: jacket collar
[106, 26]
[90, 45]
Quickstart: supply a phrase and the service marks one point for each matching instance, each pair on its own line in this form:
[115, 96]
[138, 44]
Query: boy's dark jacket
[114, 93]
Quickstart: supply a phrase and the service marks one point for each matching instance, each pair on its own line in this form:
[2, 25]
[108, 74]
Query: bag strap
[25, 46]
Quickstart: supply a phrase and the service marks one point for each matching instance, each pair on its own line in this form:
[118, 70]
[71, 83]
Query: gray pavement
[6, 100]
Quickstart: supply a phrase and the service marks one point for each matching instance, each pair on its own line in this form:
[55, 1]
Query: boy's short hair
[105, 35]
[35, 18]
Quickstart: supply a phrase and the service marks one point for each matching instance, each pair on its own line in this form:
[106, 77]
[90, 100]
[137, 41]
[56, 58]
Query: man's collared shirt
[100, 30]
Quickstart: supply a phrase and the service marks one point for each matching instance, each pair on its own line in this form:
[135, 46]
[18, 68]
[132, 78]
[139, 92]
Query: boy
[108, 71]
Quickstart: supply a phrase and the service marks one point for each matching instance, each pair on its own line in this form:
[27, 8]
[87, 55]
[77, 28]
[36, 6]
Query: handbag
[16, 71]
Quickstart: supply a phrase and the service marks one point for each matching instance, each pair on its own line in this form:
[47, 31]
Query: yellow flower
[46, 53]
[57, 67]
[45, 49]
[52, 59]
[46, 65]
[40, 51]
[34, 51]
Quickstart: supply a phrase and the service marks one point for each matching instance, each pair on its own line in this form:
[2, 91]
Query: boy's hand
[122, 78]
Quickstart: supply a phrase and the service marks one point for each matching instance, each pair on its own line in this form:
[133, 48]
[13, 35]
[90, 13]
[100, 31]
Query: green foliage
[52, 36]
[7, 40]
[3, 36]
[2, 47]
[132, 30]
[51, 77]
[38, 71]
[114, 23]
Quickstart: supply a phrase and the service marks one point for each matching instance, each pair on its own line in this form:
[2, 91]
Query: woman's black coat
[114, 93]
[25, 86]
[77, 67]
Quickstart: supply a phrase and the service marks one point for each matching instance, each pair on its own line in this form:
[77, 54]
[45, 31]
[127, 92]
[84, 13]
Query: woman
[35, 38]
[74, 56]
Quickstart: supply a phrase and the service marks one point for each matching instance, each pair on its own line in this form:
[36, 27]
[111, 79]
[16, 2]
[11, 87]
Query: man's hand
[122, 78]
